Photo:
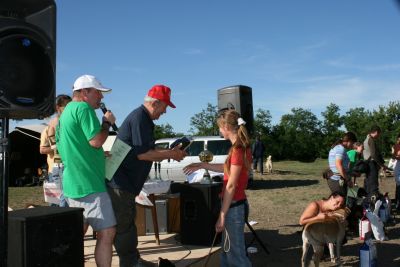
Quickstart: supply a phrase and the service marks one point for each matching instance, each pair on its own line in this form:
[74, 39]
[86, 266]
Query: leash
[227, 245]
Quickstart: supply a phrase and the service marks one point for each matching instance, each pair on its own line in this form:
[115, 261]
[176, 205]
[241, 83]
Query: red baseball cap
[162, 93]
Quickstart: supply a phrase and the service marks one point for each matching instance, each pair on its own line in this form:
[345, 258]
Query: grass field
[276, 202]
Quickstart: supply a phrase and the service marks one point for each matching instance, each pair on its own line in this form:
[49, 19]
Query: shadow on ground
[286, 250]
[276, 184]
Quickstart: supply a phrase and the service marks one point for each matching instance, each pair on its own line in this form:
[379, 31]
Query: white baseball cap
[89, 81]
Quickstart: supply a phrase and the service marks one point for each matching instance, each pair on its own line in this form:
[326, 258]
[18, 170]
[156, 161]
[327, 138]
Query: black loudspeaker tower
[45, 236]
[27, 58]
[238, 97]
[199, 212]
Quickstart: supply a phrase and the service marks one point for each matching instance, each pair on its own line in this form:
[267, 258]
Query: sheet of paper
[118, 153]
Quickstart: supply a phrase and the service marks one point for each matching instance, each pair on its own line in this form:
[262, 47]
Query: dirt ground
[277, 201]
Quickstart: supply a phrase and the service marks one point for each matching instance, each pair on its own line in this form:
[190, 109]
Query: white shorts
[98, 211]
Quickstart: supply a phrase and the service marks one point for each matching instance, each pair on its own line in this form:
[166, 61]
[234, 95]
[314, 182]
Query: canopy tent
[24, 142]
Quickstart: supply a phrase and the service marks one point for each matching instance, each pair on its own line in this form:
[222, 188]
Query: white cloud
[346, 93]
[346, 63]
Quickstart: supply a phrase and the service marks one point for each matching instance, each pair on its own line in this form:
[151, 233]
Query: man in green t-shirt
[80, 137]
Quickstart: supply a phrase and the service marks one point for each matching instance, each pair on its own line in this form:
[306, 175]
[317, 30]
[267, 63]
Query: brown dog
[320, 233]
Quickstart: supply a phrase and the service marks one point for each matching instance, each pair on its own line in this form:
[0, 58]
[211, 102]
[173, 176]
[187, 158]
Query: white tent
[24, 142]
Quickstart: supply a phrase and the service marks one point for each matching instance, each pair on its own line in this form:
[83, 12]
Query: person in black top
[137, 131]
[258, 154]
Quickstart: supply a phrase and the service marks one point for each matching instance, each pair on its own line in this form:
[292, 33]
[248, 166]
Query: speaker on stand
[199, 212]
[27, 78]
[238, 97]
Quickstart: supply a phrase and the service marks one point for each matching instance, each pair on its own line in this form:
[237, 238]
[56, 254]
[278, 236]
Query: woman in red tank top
[234, 207]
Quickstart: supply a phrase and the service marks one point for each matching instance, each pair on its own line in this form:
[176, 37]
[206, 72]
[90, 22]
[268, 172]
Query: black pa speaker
[199, 212]
[238, 97]
[46, 237]
[27, 58]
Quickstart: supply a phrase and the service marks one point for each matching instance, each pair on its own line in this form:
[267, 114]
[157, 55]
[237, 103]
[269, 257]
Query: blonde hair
[230, 118]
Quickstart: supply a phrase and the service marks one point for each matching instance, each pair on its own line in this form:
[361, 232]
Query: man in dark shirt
[137, 131]
[375, 160]
[258, 155]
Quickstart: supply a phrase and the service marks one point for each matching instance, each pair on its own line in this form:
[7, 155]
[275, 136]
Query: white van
[172, 170]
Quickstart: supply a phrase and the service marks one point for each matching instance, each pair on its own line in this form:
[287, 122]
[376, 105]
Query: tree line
[301, 135]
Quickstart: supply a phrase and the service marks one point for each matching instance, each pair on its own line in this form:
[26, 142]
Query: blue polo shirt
[136, 131]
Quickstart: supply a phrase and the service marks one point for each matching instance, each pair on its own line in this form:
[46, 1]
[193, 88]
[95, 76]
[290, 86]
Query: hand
[107, 154]
[220, 225]
[350, 183]
[178, 154]
[189, 169]
[109, 116]
[53, 147]
[322, 216]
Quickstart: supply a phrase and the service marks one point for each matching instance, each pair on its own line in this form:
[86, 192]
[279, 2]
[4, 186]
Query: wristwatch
[106, 125]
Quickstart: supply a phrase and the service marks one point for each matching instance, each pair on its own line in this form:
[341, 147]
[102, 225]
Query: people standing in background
[355, 155]
[258, 154]
[235, 209]
[137, 130]
[375, 161]
[396, 158]
[80, 137]
[339, 164]
[48, 147]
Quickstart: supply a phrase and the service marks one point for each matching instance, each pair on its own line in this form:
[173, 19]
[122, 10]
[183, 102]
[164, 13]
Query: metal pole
[3, 190]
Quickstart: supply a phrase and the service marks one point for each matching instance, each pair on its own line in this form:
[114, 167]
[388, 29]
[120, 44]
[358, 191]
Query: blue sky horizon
[293, 54]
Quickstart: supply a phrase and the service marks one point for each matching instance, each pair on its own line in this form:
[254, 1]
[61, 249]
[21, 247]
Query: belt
[238, 203]
[56, 164]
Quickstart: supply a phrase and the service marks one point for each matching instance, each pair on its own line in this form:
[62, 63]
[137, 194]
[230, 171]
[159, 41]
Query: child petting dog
[324, 222]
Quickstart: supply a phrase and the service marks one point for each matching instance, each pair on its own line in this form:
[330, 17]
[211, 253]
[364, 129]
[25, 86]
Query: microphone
[104, 109]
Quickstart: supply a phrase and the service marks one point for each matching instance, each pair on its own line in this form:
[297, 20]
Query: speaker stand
[3, 190]
[255, 236]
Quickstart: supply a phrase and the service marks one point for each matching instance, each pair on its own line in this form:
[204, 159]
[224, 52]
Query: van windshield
[195, 148]
[219, 147]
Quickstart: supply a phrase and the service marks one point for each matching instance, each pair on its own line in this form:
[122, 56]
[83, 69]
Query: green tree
[298, 135]
[359, 121]
[388, 118]
[163, 131]
[330, 129]
[262, 122]
[205, 122]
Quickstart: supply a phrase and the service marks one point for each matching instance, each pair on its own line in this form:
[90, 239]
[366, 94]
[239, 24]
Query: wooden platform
[169, 248]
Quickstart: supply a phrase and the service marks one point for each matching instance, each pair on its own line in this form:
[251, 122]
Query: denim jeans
[259, 162]
[234, 225]
[56, 175]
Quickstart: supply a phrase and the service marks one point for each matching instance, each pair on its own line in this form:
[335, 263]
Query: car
[170, 169]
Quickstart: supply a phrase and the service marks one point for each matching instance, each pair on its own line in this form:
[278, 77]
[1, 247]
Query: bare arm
[311, 214]
[339, 167]
[229, 192]
[46, 150]
[161, 154]
[98, 140]
[189, 169]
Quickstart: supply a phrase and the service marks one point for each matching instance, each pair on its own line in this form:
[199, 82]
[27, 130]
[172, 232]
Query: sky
[292, 54]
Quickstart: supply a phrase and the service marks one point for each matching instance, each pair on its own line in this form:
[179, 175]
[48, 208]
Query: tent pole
[3, 190]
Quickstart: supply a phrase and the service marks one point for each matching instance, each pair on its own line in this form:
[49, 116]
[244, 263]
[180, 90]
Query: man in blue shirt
[137, 131]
